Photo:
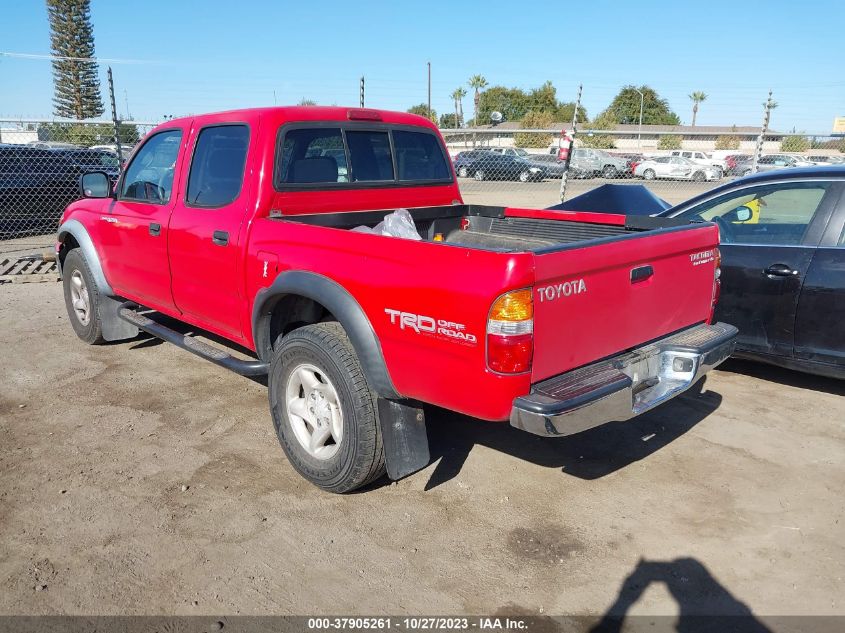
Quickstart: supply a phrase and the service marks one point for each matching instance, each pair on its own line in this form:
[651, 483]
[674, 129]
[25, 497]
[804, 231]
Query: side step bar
[127, 312]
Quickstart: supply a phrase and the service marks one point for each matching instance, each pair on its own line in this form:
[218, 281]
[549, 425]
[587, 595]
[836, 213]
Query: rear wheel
[323, 410]
[479, 174]
[649, 174]
[463, 172]
[82, 298]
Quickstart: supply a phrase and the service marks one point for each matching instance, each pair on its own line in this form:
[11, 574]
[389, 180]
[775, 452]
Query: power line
[76, 59]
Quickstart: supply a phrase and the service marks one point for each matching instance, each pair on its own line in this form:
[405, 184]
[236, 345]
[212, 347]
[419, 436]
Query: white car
[676, 168]
[701, 158]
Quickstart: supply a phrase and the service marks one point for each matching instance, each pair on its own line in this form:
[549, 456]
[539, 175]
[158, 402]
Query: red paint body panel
[214, 287]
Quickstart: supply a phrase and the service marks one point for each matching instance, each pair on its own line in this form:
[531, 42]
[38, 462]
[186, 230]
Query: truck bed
[501, 229]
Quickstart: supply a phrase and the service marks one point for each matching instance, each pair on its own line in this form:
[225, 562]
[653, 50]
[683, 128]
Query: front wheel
[82, 299]
[699, 176]
[323, 410]
[524, 176]
[609, 171]
[649, 174]
[480, 175]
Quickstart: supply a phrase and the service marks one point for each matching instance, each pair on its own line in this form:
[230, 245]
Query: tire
[699, 176]
[82, 299]
[649, 174]
[352, 455]
[524, 176]
[463, 172]
[609, 171]
[479, 174]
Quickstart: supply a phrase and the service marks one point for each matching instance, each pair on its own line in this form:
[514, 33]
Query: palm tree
[458, 94]
[697, 97]
[477, 83]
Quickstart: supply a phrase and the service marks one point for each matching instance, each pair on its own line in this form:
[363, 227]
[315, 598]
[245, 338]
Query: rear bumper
[624, 386]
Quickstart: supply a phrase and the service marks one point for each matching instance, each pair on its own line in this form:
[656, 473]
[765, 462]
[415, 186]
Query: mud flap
[404, 436]
[114, 328]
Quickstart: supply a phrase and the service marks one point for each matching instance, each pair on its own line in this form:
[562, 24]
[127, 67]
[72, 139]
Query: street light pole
[640, 128]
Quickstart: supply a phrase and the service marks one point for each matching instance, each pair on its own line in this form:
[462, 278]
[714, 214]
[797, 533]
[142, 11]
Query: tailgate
[594, 301]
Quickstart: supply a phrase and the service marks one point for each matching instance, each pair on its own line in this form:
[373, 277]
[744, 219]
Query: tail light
[510, 333]
[717, 285]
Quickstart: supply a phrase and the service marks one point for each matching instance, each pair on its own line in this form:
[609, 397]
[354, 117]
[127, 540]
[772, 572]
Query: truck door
[207, 227]
[132, 233]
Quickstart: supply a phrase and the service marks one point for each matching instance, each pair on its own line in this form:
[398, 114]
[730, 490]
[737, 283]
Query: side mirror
[743, 214]
[95, 184]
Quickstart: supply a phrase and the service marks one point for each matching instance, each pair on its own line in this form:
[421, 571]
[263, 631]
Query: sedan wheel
[609, 171]
[649, 174]
[524, 176]
[463, 172]
[479, 174]
[699, 176]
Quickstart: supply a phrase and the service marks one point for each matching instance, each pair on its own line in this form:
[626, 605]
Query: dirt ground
[136, 478]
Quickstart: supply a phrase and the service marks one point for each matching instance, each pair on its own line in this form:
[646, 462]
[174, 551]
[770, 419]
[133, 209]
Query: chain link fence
[41, 162]
[40, 165]
[518, 167]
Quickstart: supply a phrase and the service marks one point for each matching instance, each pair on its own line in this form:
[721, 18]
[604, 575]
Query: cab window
[149, 177]
[217, 168]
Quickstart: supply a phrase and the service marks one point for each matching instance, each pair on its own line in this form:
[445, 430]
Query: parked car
[676, 168]
[125, 150]
[495, 166]
[824, 159]
[35, 187]
[555, 321]
[631, 161]
[462, 161]
[700, 158]
[53, 145]
[84, 160]
[554, 166]
[732, 160]
[597, 162]
[768, 163]
[783, 256]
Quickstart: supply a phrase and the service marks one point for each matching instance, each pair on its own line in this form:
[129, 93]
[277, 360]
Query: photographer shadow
[705, 605]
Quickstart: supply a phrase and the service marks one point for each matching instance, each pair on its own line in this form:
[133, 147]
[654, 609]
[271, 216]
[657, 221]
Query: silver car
[599, 163]
[676, 168]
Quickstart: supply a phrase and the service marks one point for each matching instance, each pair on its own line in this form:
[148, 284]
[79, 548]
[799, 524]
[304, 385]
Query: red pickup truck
[247, 224]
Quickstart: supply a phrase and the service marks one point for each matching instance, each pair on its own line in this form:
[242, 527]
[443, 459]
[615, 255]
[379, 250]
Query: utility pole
[565, 176]
[429, 90]
[758, 151]
[362, 91]
[640, 128]
[115, 122]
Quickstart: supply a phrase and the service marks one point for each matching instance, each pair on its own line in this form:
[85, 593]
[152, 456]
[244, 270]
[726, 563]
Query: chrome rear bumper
[624, 386]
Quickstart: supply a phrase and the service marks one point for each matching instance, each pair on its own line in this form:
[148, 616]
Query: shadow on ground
[704, 604]
[591, 454]
[786, 377]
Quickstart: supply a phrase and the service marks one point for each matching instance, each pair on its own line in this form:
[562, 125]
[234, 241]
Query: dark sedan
[783, 264]
[493, 166]
[35, 187]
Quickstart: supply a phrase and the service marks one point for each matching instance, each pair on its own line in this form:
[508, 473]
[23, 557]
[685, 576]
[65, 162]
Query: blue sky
[215, 55]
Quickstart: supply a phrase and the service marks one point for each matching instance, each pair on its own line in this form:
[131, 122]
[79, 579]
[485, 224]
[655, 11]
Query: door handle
[780, 270]
[221, 238]
[155, 229]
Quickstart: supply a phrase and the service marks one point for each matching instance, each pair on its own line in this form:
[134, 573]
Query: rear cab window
[349, 155]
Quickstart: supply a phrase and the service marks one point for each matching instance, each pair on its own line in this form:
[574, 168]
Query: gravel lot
[139, 479]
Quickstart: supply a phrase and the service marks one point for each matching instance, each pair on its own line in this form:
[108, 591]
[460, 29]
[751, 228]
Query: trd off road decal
[429, 326]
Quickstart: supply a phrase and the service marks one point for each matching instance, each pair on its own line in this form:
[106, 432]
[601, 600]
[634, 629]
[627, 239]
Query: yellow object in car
[754, 207]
